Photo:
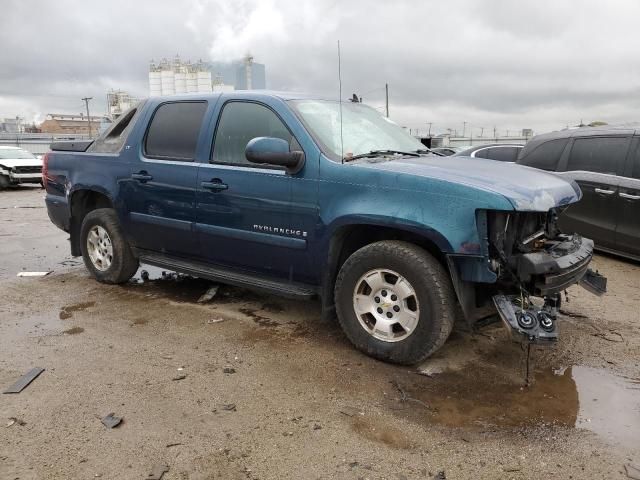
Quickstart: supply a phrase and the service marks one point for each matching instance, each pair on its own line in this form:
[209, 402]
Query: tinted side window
[503, 154]
[241, 122]
[482, 153]
[174, 129]
[635, 168]
[545, 156]
[598, 154]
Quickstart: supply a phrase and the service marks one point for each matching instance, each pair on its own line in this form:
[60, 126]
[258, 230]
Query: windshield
[363, 128]
[14, 153]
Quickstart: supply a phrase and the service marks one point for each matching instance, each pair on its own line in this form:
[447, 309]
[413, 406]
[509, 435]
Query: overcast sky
[541, 64]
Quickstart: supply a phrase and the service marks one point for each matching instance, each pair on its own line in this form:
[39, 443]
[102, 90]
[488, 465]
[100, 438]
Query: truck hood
[526, 188]
[20, 162]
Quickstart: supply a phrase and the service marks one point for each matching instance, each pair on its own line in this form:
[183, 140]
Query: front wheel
[105, 250]
[395, 302]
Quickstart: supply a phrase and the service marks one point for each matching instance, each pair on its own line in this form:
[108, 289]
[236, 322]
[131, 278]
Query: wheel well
[83, 202]
[346, 240]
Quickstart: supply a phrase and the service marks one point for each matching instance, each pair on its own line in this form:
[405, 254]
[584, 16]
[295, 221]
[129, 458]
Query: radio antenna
[340, 102]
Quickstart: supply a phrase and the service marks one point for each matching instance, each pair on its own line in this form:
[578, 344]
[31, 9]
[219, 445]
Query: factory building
[73, 124]
[118, 102]
[177, 76]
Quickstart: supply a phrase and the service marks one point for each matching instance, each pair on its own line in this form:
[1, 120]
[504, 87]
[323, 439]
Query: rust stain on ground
[68, 310]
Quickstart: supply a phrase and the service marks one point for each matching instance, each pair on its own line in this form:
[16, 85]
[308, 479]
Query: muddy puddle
[582, 397]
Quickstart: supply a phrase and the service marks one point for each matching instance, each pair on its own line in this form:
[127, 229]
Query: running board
[227, 276]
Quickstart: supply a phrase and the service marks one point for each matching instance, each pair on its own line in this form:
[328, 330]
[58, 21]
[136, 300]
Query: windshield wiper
[381, 153]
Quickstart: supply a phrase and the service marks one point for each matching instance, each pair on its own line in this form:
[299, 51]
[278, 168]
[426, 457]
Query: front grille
[36, 169]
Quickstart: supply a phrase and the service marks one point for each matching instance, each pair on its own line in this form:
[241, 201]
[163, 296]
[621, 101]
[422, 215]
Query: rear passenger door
[595, 163]
[161, 192]
[628, 229]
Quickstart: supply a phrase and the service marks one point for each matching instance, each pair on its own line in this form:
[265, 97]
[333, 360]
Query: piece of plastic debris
[215, 320]
[229, 370]
[632, 470]
[230, 407]
[179, 377]
[24, 380]
[13, 420]
[33, 274]
[157, 472]
[440, 476]
[209, 294]
[111, 421]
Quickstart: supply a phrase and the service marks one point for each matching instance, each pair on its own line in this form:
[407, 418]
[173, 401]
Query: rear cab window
[544, 156]
[173, 131]
[503, 154]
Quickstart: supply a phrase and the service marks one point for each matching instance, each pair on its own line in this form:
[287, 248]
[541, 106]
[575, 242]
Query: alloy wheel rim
[386, 305]
[99, 248]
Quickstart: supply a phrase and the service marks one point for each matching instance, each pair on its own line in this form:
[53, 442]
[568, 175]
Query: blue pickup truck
[306, 197]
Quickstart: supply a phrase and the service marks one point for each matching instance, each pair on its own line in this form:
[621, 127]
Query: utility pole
[429, 123]
[464, 129]
[86, 102]
[481, 132]
[386, 91]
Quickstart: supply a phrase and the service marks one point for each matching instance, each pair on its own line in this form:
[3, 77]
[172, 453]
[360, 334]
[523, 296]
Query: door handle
[604, 192]
[629, 196]
[216, 185]
[142, 176]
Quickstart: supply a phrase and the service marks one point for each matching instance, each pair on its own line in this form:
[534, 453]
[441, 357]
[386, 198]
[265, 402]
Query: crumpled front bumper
[547, 273]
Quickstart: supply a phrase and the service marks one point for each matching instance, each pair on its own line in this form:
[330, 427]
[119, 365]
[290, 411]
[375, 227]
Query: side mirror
[274, 151]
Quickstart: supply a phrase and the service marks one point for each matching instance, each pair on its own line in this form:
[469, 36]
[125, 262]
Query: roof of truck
[249, 94]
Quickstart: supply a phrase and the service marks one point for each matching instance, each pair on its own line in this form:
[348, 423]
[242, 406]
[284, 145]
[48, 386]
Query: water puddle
[67, 311]
[581, 397]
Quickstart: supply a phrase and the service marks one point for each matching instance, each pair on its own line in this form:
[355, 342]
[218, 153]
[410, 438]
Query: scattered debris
[317, 426]
[511, 469]
[209, 294]
[567, 313]
[179, 377]
[70, 263]
[228, 369]
[111, 421]
[215, 320]
[440, 476]
[169, 445]
[73, 331]
[14, 421]
[351, 411]
[406, 398]
[157, 472]
[24, 380]
[632, 470]
[229, 407]
[33, 274]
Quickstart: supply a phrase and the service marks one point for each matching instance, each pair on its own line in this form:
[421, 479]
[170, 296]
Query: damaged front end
[533, 263]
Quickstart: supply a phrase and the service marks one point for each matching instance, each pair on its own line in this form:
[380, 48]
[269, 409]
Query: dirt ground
[251, 386]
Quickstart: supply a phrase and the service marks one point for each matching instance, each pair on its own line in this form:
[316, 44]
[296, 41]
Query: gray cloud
[497, 62]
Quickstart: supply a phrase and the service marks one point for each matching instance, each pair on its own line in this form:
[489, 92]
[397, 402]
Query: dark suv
[605, 162]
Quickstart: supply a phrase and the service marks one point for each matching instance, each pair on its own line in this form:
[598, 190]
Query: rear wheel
[4, 182]
[395, 302]
[105, 250]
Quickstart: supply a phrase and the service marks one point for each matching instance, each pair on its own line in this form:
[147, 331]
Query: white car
[18, 166]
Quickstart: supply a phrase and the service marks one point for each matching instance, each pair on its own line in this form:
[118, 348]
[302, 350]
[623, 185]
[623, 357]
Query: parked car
[493, 151]
[605, 162]
[304, 197]
[18, 166]
[446, 151]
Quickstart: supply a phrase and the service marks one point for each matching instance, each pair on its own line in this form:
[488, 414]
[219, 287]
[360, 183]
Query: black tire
[4, 182]
[124, 265]
[433, 289]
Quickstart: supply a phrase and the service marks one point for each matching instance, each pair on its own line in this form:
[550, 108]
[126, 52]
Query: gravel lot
[253, 386]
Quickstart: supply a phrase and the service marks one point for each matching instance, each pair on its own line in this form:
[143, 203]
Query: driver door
[244, 211]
